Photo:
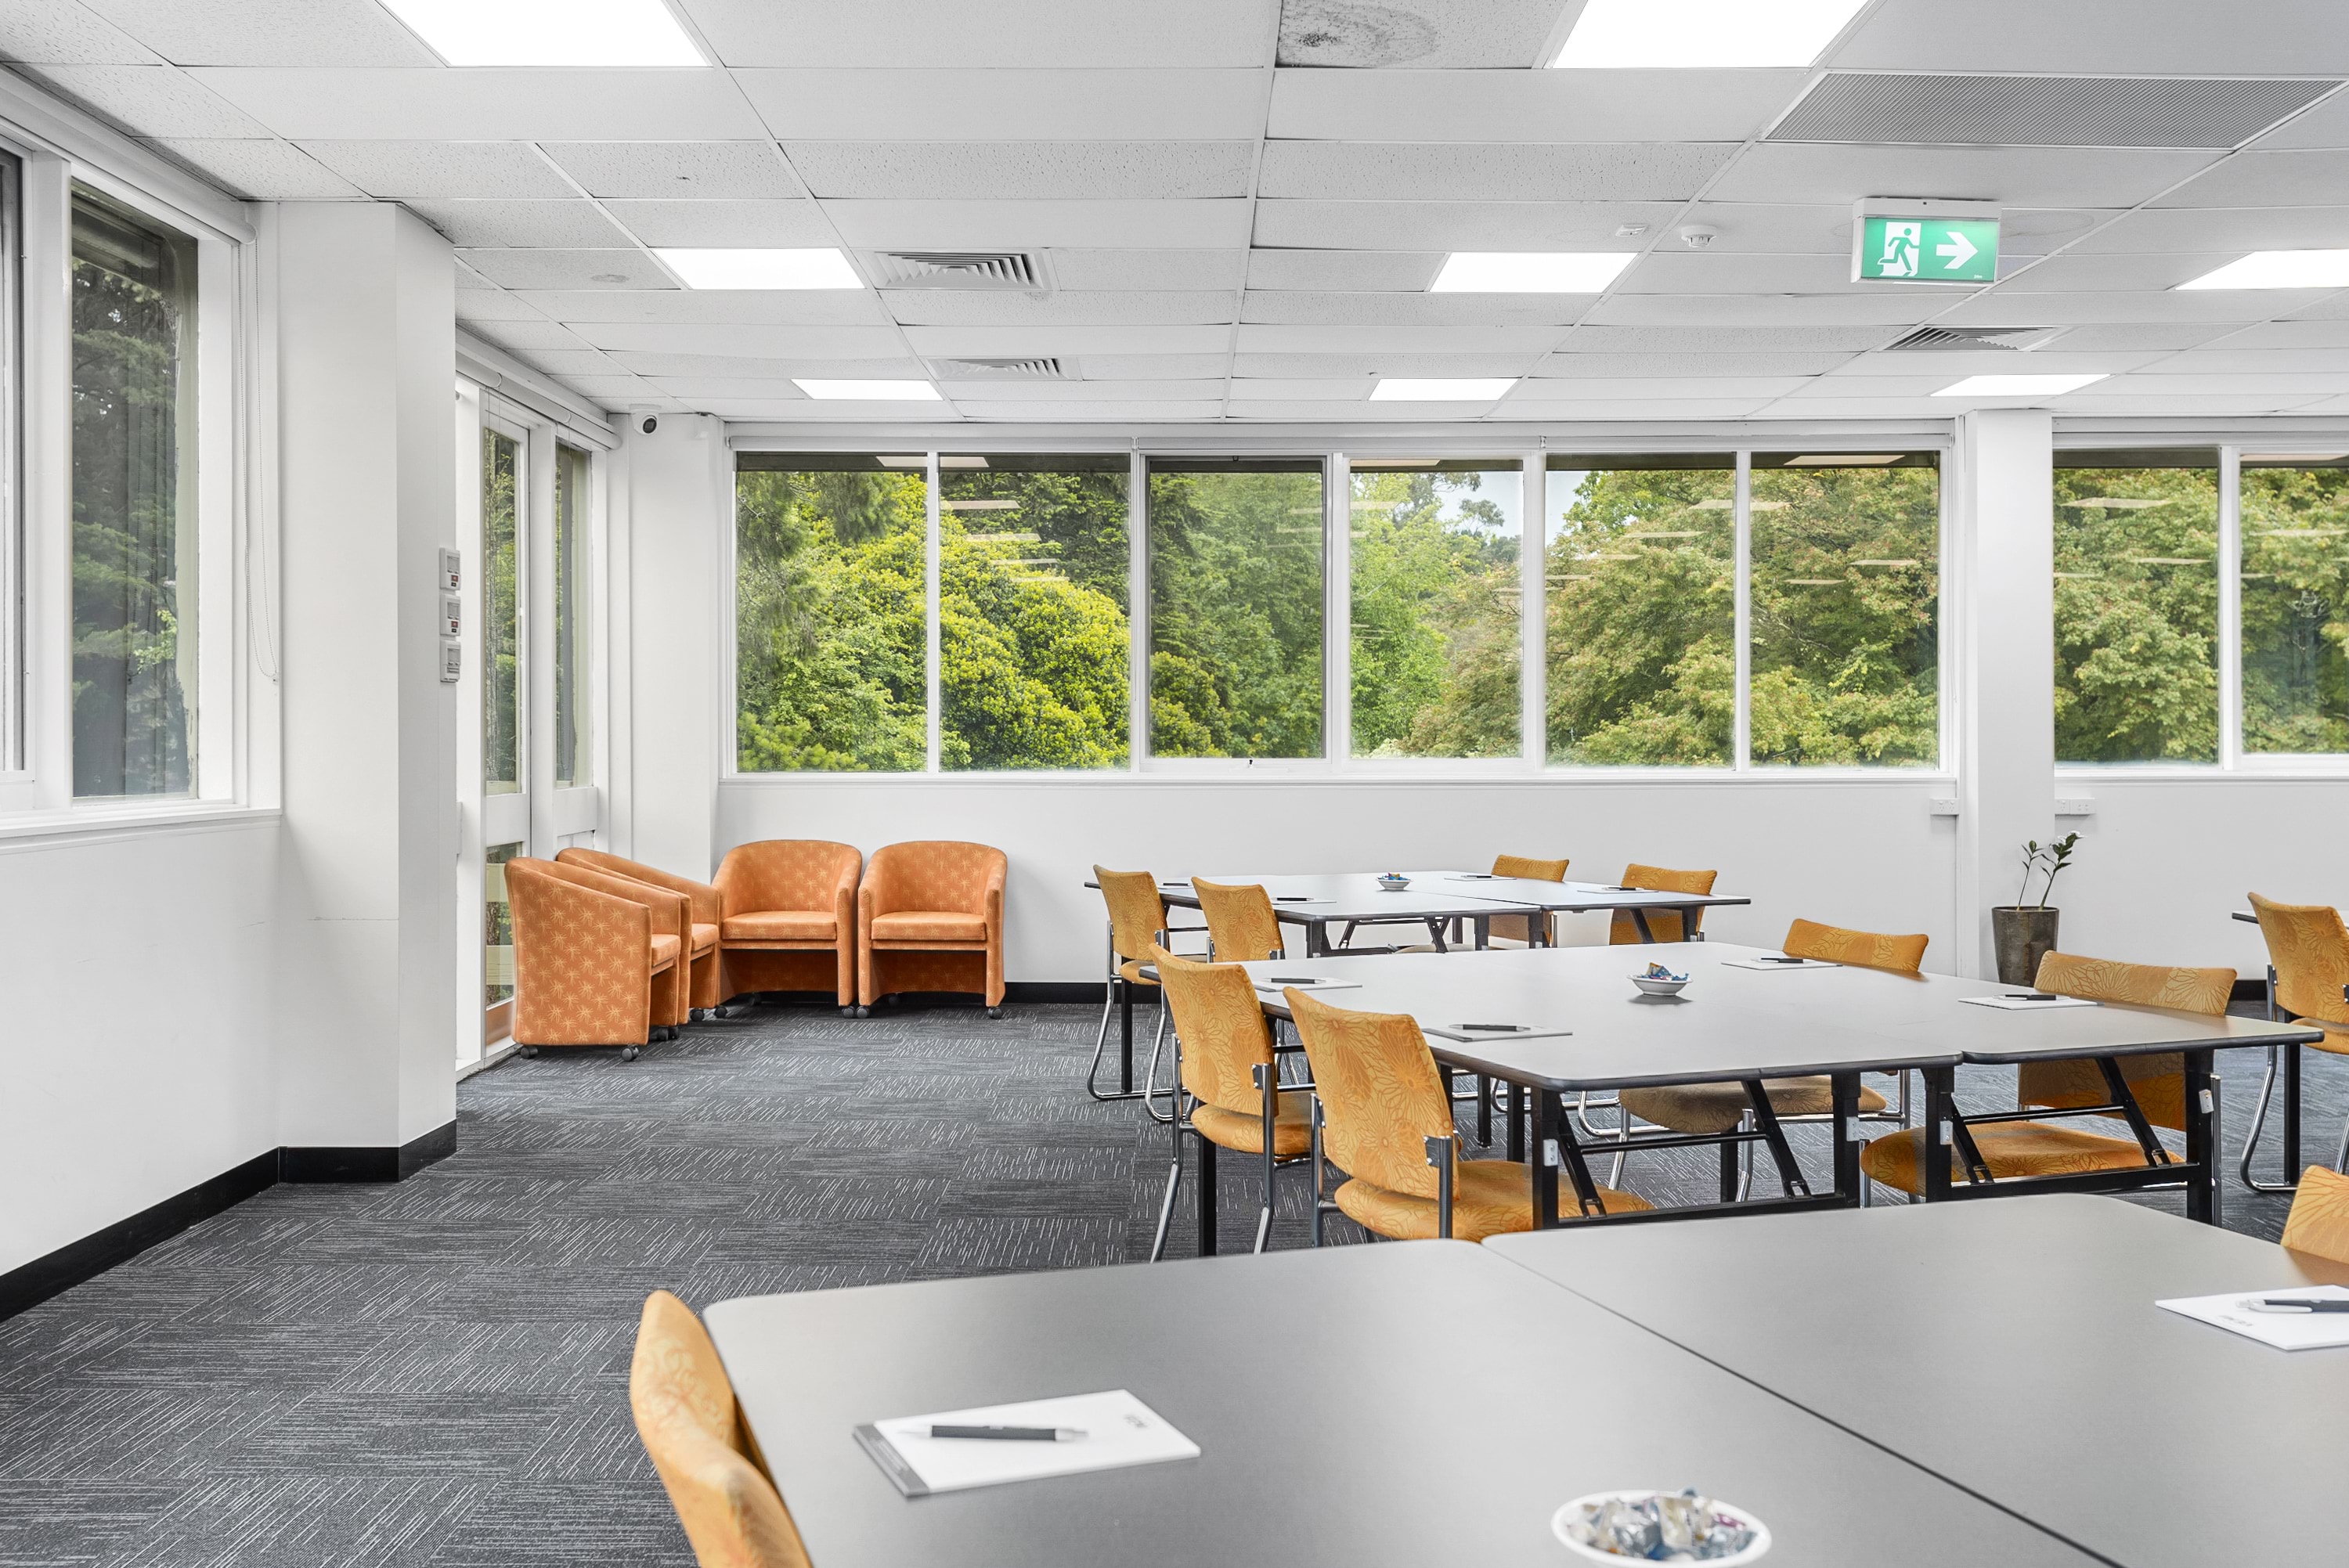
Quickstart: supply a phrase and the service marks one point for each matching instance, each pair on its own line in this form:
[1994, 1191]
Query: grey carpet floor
[434, 1374]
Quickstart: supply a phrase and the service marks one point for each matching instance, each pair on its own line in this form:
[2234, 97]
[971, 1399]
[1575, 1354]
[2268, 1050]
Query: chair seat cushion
[781, 925]
[664, 952]
[929, 925]
[1243, 1132]
[2011, 1149]
[1131, 970]
[705, 937]
[2336, 1036]
[1719, 1107]
[1489, 1198]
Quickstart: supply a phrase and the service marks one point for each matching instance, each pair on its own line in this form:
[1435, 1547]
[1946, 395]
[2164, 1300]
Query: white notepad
[1306, 983]
[2284, 1330]
[2015, 1004]
[1120, 1430]
[1463, 1032]
[1770, 966]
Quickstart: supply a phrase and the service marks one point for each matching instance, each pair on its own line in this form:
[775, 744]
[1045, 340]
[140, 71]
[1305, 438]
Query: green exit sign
[1916, 248]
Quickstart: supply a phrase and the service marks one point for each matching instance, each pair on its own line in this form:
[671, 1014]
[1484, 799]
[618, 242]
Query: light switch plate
[452, 615]
[453, 660]
[453, 570]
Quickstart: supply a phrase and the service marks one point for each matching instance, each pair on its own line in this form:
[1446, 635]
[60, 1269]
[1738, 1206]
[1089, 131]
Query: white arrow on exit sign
[1957, 248]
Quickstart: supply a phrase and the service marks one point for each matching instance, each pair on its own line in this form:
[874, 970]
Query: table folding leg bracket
[2201, 1137]
[1940, 1087]
[1844, 1118]
[1517, 1115]
[1765, 1119]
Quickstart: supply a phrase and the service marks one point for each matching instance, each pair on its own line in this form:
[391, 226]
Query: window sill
[1220, 773]
[93, 825]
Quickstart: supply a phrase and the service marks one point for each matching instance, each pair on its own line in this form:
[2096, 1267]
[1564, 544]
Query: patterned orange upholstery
[2309, 946]
[2011, 1149]
[1664, 923]
[1137, 917]
[1519, 927]
[950, 936]
[693, 1432]
[1241, 926]
[1867, 949]
[705, 908]
[1489, 1198]
[799, 897]
[585, 968]
[1720, 1107]
[1223, 1029]
[2319, 1220]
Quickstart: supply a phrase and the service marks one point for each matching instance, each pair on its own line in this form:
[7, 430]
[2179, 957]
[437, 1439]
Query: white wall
[679, 485]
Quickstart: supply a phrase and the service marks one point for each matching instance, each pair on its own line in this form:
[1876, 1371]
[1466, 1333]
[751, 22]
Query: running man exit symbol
[1927, 250]
[1897, 257]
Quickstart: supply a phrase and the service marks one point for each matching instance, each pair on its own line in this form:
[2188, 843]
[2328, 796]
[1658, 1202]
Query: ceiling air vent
[1929, 338]
[957, 270]
[1044, 369]
[2045, 111]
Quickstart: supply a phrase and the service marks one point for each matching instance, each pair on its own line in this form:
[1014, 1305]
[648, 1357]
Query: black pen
[1766, 959]
[2031, 996]
[1499, 1028]
[1010, 1434]
[1294, 980]
[2304, 1303]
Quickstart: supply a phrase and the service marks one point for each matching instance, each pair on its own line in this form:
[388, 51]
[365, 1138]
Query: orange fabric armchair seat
[929, 917]
[787, 918]
[598, 959]
[703, 902]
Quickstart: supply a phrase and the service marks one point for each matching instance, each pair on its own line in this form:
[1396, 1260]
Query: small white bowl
[1752, 1552]
[1652, 986]
[1394, 884]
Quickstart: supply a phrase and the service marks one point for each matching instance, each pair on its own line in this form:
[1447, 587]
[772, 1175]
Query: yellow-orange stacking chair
[2023, 1148]
[1241, 926]
[788, 917]
[929, 917]
[1385, 1120]
[693, 1432]
[1224, 1062]
[1665, 925]
[2309, 946]
[1137, 923]
[706, 906]
[598, 959]
[2319, 1220]
[1519, 927]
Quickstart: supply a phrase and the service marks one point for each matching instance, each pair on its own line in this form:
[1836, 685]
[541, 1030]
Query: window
[497, 935]
[2295, 605]
[830, 636]
[1032, 635]
[1435, 552]
[1845, 602]
[134, 513]
[2136, 606]
[501, 493]
[1639, 569]
[1235, 608]
[573, 471]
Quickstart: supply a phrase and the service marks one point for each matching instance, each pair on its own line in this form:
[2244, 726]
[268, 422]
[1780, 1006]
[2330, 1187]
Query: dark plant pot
[2024, 935]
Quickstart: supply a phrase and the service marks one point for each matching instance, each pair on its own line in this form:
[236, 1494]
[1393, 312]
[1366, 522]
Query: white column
[680, 480]
[2001, 603]
[366, 352]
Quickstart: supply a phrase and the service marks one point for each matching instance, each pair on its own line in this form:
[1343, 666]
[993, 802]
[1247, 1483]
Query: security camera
[652, 423]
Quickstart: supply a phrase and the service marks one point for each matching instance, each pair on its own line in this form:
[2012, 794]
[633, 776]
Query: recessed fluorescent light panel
[1529, 272]
[635, 33]
[871, 392]
[2016, 386]
[1474, 391]
[1684, 34]
[2280, 270]
[721, 269]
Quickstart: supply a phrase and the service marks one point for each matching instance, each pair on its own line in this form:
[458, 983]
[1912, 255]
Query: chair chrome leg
[2258, 1124]
[2341, 1155]
[1317, 1210]
[1166, 1208]
[1149, 1078]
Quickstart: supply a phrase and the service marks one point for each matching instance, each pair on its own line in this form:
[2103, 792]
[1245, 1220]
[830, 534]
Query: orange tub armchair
[929, 917]
[598, 959]
[704, 909]
[788, 917]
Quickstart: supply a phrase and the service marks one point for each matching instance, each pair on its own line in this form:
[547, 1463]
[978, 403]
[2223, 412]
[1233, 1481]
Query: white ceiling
[1239, 205]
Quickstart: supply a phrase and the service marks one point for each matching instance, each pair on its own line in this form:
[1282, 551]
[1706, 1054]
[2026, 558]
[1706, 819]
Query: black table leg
[1483, 1111]
[1765, 1117]
[1517, 1121]
[2292, 1114]
[1545, 1183]
[1206, 1197]
[1484, 924]
[1560, 1133]
[2201, 1130]
[1126, 1035]
[1640, 920]
[1941, 1086]
[1847, 1148]
[1316, 939]
[1729, 1148]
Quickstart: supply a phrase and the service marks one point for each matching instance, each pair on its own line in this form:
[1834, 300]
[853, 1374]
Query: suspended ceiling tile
[1024, 170]
[713, 307]
[990, 342]
[644, 363]
[2325, 405]
[614, 391]
[569, 362]
[970, 225]
[990, 307]
[1352, 272]
[2131, 335]
[1482, 172]
[1325, 389]
[1400, 339]
[2333, 307]
[2204, 404]
[1765, 310]
[404, 170]
[1620, 408]
[65, 33]
[2161, 381]
[2154, 38]
[1709, 273]
[1651, 389]
[488, 105]
[1065, 34]
[528, 336]
[1151, 367]
[1874, 387]
[2237, 229]
[158, 101]
[268, 32]
[2321, 125]
[2299, 333]
[2013, 176]
[1083, 271]
[795, 223]
[1692, 365]
[575, 224]
[588, 269]
[1953, 363]
[2229, 358]
[1597, 339]
[261, 170]
[494, 305]
[2087, 271]
[1431, 34]
[746, 341]
[676, 170]
[703, 389]
[1867, 408]
[1528, 106]
[1123, 413]
[1046, 391]
[1525, 226]
[2009, 307]
[1340, 367]
[1298, 307]
[895, 104]
[2295, 179]
[809, 411]
[1356, 411]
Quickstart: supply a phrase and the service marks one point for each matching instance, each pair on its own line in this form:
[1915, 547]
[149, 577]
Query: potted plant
[2025, 933]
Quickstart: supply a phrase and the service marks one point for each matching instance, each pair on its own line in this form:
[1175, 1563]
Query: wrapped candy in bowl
[1661, 1527]
[1659, 981]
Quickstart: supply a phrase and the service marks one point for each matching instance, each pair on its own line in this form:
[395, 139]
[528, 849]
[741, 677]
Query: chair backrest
[1867, 949]
[1664, 923]
[2309, 946]
[1136, 913]
[1532, 871]
[2156, 1082]
[691, 1430]
[2319, 1220]
[943, 874]
[1221, 1029]
[1240, 922]
[1382, 1097]
[786, 873]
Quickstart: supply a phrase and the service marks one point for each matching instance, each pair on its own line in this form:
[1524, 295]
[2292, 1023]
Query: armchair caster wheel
[860, 1011]
[630, 1053]
[998, 1012]
[526, 1051]
[697, 1015]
